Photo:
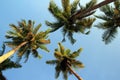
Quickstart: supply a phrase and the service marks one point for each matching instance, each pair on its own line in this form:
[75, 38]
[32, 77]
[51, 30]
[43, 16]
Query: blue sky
[101, 61]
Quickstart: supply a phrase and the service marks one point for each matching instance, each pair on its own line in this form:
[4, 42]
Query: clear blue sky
[102, 62]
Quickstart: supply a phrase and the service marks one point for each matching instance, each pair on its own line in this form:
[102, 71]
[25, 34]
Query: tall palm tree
[25, 39]
[64, 20]
[111, 21]
[7, 64]
[65, 61]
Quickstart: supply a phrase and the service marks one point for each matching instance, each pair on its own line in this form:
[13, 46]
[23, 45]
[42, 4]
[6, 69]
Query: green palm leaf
[75, 53]
[74, 6]
[44, 48]
[109, 35]
[107, 10]
[52, 62]
[36, 29]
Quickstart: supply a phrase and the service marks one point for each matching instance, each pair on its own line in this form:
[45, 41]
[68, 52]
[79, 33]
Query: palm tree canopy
[64, 21]
[64, 57]
[27, 32]
[111, 21]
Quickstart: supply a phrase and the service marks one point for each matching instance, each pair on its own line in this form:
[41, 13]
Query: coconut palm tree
[65, 61]
[7, 64]
[64, 20]
[25, 39]
[111, 21]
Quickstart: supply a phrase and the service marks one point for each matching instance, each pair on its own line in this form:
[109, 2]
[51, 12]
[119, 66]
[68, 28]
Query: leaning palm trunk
[73, 72]
[10, 53]
[80, 14]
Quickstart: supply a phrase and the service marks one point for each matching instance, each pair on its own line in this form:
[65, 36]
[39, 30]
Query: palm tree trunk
[80, 14]
[11, 52]
[73, 72]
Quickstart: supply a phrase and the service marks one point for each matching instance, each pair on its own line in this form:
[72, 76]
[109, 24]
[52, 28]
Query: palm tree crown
[64, 59]
[111, 21]
[26, 32]
[64, 21]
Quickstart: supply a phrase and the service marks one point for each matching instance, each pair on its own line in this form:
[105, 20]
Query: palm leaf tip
[44, 48]
[51, 62]
[36, 28]
[43, 41]
[109, 35]
[80, 50]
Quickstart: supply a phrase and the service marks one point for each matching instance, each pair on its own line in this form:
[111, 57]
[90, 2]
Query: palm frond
[66, 7]
[108, 10]
[36, 29]
[55, 26]
[65, 75]
[35, 54]
[77, 64]
[64, 32]
[22, 50]
[87, 22]
[105, 25]
[58, 70]
[91, 4]
[43, 41]
[67, 52]
[8, 64]
[70, 36]
[11, 44]
[53, 8]
[42, 35]
[3, 49]
[109, 35]
[61, 48]
[74, 6]
[27, 54]
[117, 4]
[16, 29]
[11, 34]
[22, 24]
[103, 17]
[57, 55]
[75, 53]
[52, 62]
[44, 48]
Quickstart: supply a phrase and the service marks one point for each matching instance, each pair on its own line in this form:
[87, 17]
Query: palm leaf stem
[11, 52]
[73, 72]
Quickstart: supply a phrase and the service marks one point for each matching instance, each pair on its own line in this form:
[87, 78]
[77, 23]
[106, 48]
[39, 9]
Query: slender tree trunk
[80, 14]
[10, 53]
[73, 72]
